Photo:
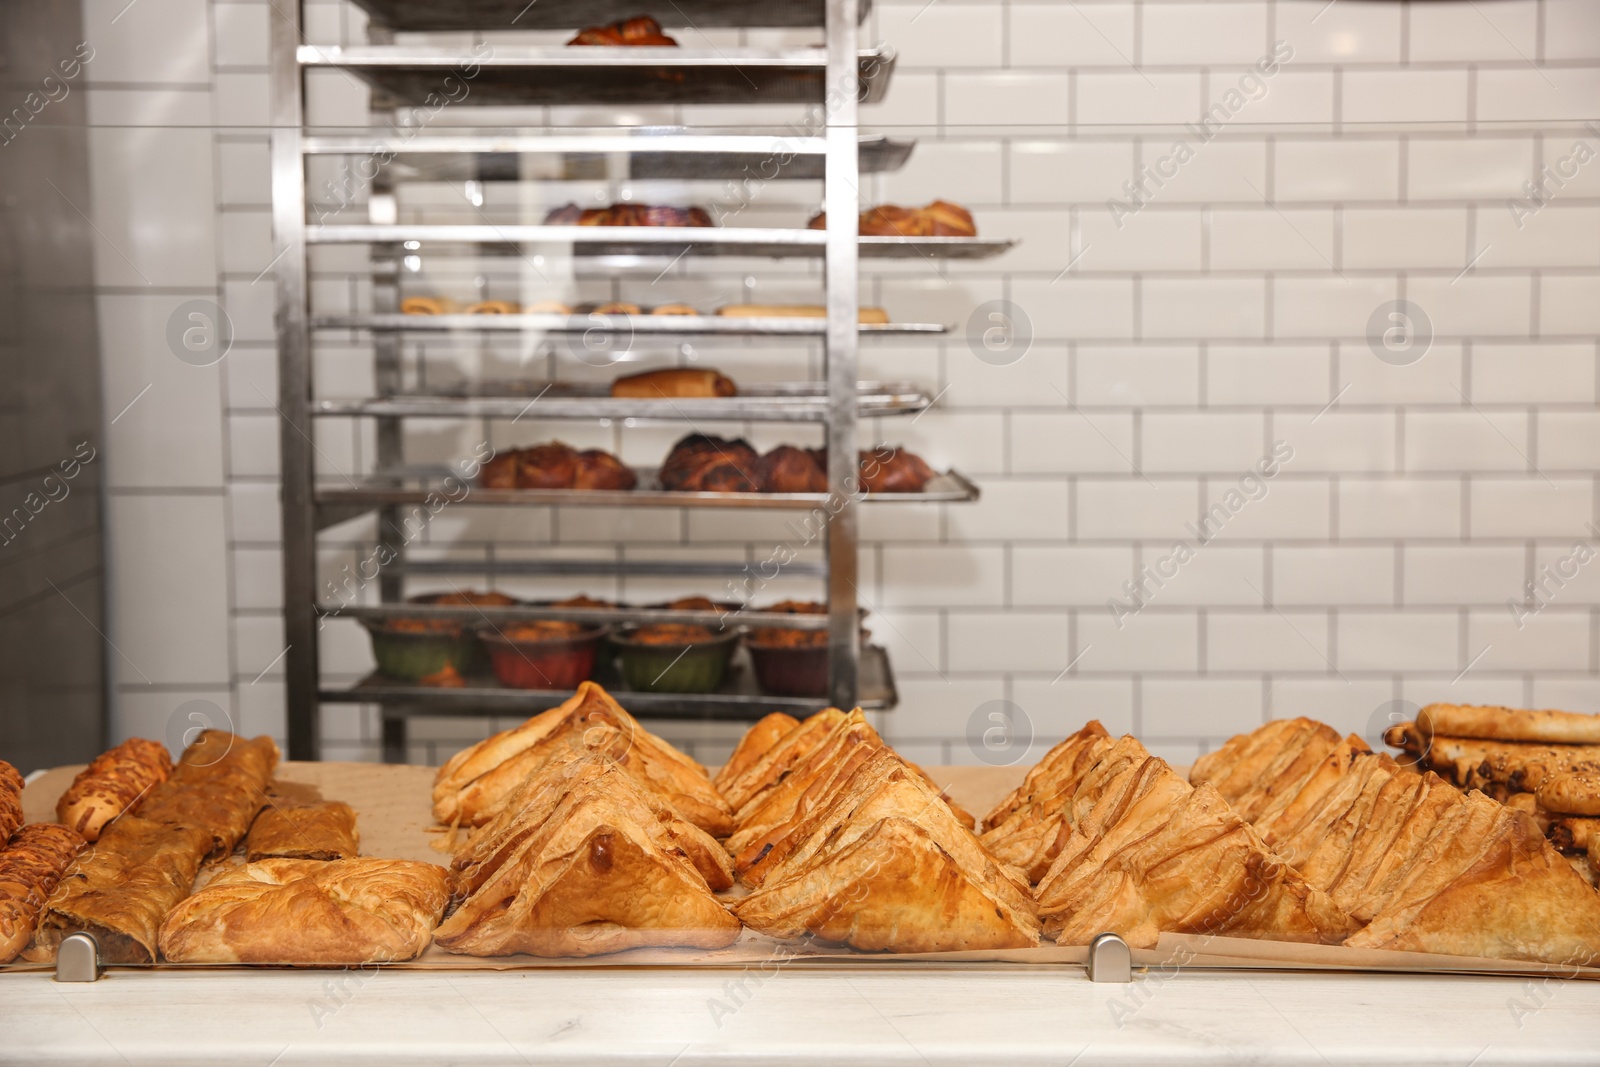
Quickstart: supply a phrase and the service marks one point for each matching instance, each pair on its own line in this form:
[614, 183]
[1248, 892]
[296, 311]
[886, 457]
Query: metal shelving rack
[403, 73]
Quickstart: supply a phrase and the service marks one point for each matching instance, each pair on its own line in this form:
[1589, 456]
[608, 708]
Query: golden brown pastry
[773, 765]
[883, 865]
[1501, 768]
[673, 309]
[870, 316]
[1573, 833]
[1508, 724]
[30, 867]
[547, 307]
[627, 214]
[674, 382]
[472, 786]
[291, 911]
[634, 32]
[590, 877]
[10, 801]
[320, 831]
[1571, 793]
[1148, 854]
[145, 862]
[114, 783]
[428, 305]
[786, 469]
[758, 739]
[704, 464]
[617, 307]
[556, 466]
[1025, 829]
[494, 307]
[938, 219]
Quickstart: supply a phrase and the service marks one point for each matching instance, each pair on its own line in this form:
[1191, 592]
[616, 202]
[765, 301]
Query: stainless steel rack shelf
[795, 402]
[673, 325]
[646, 153]
[948, 488]
[423, 15]
[499, 566]
[659, 241]
[739, 699]
[520, 74]
[495, 616]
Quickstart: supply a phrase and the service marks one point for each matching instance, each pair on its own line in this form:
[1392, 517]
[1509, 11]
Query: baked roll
[894, 470]
[872, 316]
[494, 307]
[674, 382]
[703, 464]
[548, 307]
[1571, 793]
[322, 831]
[219, 785]
[599, 469]
[673, 309]
[114, 783]
[11, 817]
[617, 307]
[30, 867]
[787, 469]
[635, 32]
[938, 219]
[627, 214]
[556, 466]
[290, 911]
[428, 305]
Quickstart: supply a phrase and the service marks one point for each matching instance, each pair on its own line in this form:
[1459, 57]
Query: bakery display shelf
[616, 324]
[669, 242]
[502, 567]
[420, 488]
[423, 15]
[648, 153]
[520, 74]
[502, 616]
[738, 700]
[784, 402]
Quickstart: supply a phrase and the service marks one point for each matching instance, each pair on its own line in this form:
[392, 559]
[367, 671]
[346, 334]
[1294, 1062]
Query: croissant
[113, 784]
[641, 30]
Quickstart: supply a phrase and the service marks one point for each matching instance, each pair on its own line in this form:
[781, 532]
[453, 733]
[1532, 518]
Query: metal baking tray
[737, 700]
[575, 14]
[657, 242]
[778, 402]
[650, 153]
[625, 567]
[343, 495]
[612, 324]
[512, 75]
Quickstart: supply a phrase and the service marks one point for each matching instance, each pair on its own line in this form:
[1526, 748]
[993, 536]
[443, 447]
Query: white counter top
[837, 1015]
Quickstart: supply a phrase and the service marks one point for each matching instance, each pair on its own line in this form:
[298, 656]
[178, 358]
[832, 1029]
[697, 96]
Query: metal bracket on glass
[78, 958]
[1110, 959]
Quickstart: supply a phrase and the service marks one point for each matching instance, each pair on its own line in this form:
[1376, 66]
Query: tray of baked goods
[565, 14]
[579, 837]
[441, 315]
[654, 71]
[671, 394]
[938, 230]
[640, 154]
[700, 471]
[473, 651]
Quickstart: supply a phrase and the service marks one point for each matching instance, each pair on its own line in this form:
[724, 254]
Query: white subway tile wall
[1226, 476]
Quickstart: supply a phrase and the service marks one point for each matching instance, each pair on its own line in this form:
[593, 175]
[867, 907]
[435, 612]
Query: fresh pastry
[589, 869]
[894, 470]
[547, 307]
[114, 783]
[674, 382]
[1026, 829]
[627, 214]
[1508, 724]
[494, 307]
[428, 305]
[617, 307]
[938, 219]
[1570, 793]
[704, 464]
[1499, 768]
[673, 309]
[145, 862]
[322, 831]
[556, 466]
[641, 30]
[758, 739]
[866, 316]
[297, 911]
[881, 864]
[1145, 853]
[30, 868]
[474, 783]
[772, 766]
[11, 818]
[789, 637]
[786, 469]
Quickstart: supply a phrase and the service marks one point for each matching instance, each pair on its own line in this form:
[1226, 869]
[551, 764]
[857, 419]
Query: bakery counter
[794, 1015]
